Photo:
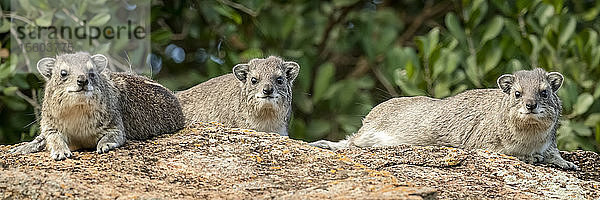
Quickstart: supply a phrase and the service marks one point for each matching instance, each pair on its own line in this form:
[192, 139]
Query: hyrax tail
[330, 145]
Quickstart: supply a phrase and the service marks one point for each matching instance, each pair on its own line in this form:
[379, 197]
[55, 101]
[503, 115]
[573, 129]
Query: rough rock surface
[210, 161]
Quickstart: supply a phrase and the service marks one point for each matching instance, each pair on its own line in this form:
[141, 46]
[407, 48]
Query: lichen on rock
[212, 161]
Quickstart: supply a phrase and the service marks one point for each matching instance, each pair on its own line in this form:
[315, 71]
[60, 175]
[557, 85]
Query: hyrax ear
[45, 67]
[100, 62]
[241, 72]
[555, 79]
[291, 70]
[505, 82]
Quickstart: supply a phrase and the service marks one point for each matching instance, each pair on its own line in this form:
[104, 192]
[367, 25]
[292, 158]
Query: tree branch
[428, 11]
[239, 7]
[332, 22]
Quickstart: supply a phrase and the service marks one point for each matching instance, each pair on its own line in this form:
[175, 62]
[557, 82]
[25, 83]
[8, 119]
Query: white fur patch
[152, 83]
[260, 95]
[384, 139]
[371, 138]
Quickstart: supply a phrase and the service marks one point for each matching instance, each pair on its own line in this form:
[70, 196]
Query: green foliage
[356, 54]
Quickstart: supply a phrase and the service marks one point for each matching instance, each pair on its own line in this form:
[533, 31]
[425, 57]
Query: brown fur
[87, 106]
[492, 119]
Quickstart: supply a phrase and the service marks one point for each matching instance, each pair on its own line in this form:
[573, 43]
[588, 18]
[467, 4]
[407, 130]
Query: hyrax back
[87, 106]
[520, 119]
[148, 108]
[257, 95]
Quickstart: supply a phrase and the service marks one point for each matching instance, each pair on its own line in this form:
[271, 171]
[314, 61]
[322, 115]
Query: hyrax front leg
[113, 138]
[57, 144]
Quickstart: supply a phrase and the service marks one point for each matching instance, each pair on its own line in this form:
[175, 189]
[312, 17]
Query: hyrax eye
[254, 80]
[279, 80]
[517, 94]
[544, 93]
[63, 73]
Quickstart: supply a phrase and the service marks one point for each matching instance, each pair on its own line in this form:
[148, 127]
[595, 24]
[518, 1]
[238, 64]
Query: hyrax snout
[519, 119]
[87, 106]
[257, 95]
[533, 94]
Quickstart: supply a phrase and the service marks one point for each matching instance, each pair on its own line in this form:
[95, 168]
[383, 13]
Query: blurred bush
[355, 54]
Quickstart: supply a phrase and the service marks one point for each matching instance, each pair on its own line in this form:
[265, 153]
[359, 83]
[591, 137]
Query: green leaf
[476, 13]
[46, 19]
[493, 57]
[14, 103]
[323, 80]
[472, 70]
[7, 69]
[581, 130]
[10, 91]
[515, 65]
[523, 5]
[229, 13]
[597, 91]
[99, 19]
[441, 90]
[161, 36]
[592, 119]
[591, 14]
[251, 53]
[33, 81]
[343, 3]
[303, 103]
[346, 95]
[513, 30]
[492, 29]
[535, 48]
[584, 101]
[567, 31]
[558, 5]
[4, 25]
[20, 81]
[298, 129]
[544, 13]
[455, 28]
[598, 133]
[26, 5]
[427, 44]
[318, 128]
[401, 79]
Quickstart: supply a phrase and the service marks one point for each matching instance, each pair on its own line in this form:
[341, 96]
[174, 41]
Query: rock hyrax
[257, 95]
[87, 106]
[519, 119]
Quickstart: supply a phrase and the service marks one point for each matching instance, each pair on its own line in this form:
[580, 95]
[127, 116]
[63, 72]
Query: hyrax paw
[528, 159]
[60, 154]
[30, 147]
[23, 149]
[538, 158]
[566, 165]
[321, 144]
[105, 147]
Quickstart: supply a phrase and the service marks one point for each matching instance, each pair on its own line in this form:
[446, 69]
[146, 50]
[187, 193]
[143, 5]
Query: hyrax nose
[268, 90]
[531, 105]
[82, 80]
